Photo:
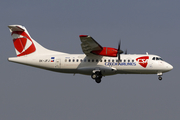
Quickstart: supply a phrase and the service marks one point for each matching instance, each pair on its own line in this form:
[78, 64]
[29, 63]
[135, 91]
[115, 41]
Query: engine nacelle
[106, 51]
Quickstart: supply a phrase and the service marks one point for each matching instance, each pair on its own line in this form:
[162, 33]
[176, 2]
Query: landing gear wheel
[98, 80]
[94, 76]
[160, 78]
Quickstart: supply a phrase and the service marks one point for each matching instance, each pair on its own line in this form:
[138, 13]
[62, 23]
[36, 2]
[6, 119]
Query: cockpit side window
[157, 58]
[153, 58]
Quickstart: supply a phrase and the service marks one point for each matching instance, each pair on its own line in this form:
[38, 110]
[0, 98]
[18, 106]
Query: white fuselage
[82, 64]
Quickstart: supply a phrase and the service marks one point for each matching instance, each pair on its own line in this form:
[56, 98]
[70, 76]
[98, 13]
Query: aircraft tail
[24, 44]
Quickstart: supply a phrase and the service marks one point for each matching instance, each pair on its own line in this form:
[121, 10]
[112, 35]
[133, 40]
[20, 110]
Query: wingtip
[83, 35]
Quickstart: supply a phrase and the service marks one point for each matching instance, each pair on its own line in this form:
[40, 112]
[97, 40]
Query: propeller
[119, 51]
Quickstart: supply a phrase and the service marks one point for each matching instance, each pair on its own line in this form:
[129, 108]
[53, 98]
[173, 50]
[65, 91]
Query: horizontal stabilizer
[16, 28]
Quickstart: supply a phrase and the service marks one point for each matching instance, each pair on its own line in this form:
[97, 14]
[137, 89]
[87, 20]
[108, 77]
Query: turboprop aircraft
[97, 61]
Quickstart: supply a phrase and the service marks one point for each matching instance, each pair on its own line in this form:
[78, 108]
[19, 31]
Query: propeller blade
[119, 45]
[119, 58]
[125, 51]
[119, 51]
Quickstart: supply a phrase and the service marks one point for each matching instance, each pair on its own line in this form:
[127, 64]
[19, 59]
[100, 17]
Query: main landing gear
[97, 76]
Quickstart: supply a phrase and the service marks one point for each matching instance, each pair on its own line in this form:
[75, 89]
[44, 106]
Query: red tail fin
[23, 43]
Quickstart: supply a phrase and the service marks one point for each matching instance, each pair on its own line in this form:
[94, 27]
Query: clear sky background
[28, 93]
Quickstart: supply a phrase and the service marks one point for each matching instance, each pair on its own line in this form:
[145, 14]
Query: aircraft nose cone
[170, 67]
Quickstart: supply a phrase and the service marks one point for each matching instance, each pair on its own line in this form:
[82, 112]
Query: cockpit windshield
[157, 58]
[160, 59]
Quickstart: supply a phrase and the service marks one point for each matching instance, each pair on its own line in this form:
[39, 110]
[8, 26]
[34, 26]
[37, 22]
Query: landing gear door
[58, 63]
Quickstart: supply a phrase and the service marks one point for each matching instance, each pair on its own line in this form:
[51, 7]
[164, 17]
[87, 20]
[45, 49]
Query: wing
[89, 44]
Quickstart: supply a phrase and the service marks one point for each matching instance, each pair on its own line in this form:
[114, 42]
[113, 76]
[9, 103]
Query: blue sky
[143, 26]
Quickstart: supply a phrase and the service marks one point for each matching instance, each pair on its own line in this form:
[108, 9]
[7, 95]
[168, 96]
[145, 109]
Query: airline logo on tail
[143, 61]
[23, 43]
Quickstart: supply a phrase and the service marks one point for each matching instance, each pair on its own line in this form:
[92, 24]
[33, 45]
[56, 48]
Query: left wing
[89, 44]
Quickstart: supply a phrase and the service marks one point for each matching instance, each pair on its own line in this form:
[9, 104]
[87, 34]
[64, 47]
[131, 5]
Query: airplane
[97, 61]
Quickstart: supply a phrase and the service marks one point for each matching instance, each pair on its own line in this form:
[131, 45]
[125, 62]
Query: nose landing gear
[160, 76]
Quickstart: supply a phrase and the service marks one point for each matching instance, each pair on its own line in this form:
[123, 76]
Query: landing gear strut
[97, 76]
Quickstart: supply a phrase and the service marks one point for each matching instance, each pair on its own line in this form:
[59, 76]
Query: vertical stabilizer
[24, 44]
